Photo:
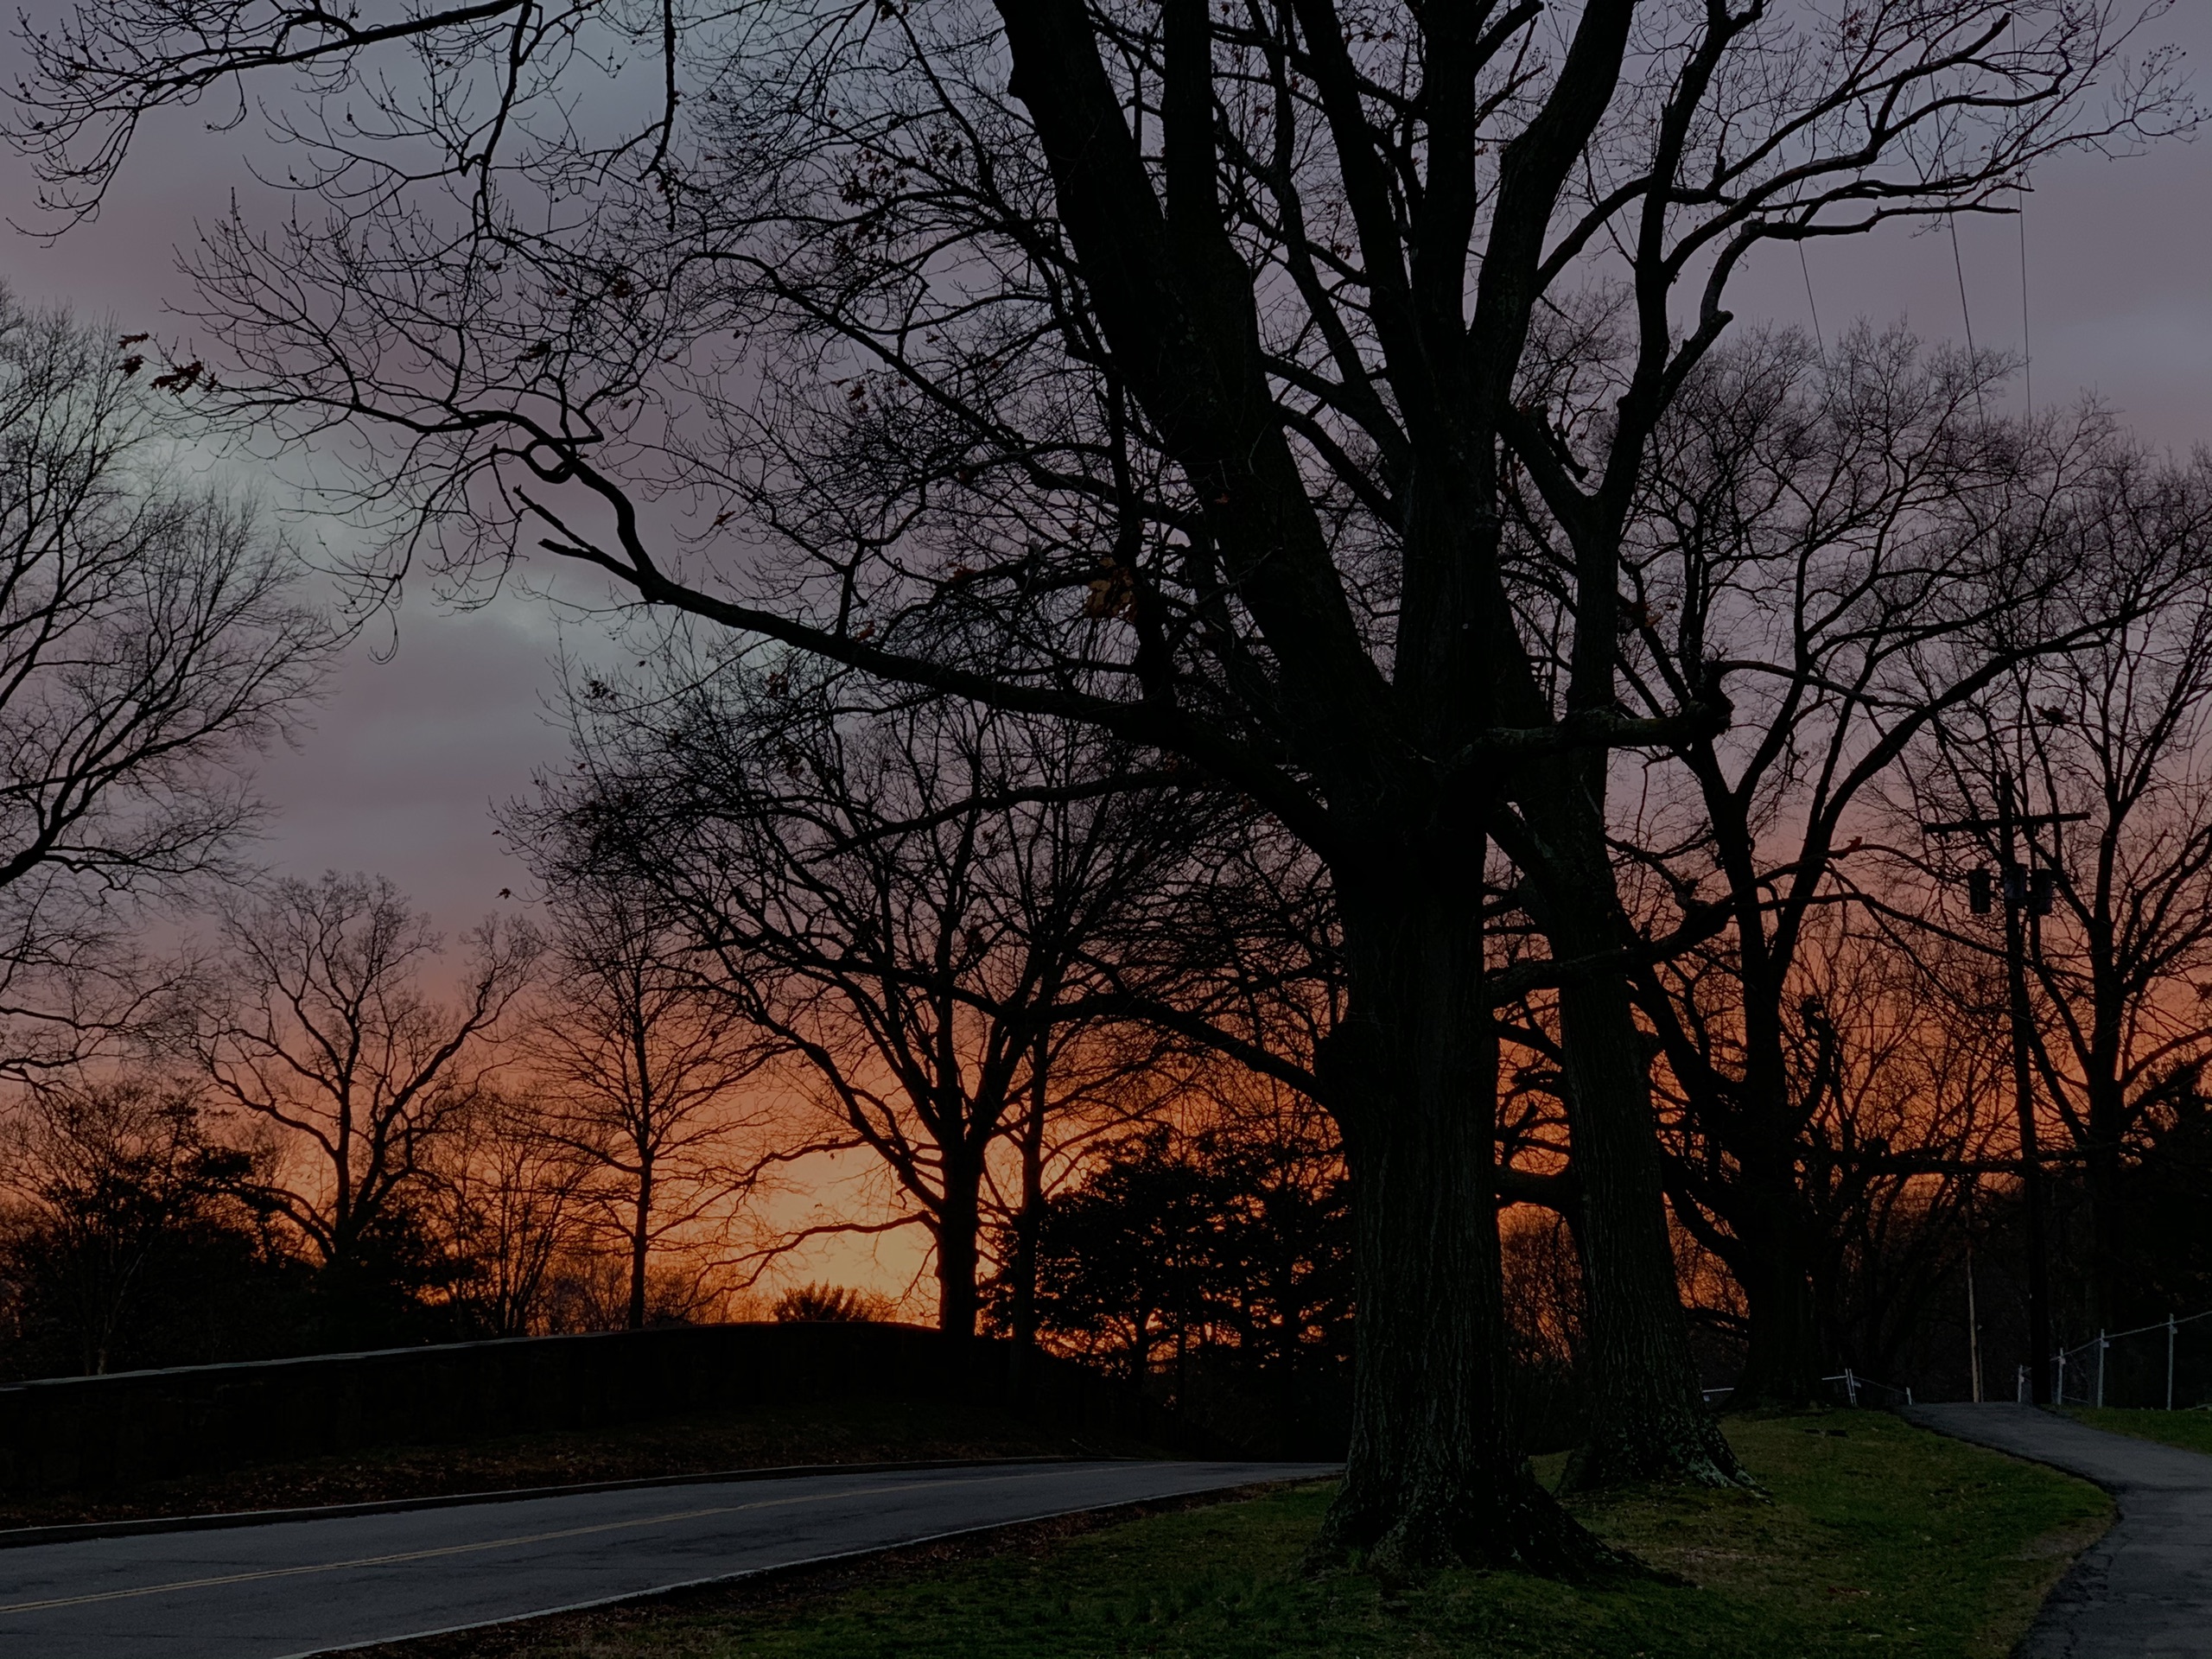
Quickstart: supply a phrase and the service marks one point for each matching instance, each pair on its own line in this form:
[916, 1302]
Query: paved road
[2146, 1588]
[307, 1587]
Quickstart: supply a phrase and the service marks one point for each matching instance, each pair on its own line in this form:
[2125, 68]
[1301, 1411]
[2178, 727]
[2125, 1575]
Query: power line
[1973, 358]
[2027, 348]
[1811, 304]
[2020, 203]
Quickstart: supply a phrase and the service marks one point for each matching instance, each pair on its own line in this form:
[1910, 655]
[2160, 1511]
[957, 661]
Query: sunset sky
[409, 754]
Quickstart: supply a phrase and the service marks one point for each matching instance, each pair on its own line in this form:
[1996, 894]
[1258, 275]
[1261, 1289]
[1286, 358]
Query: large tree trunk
[1782, 1360]
[641, 1241]
[1027, 1225]
[1766, 1247]
[1772, 1216]
[1649, 1418]
[1435, 1472]
[2108, 1242]
[959, 1220]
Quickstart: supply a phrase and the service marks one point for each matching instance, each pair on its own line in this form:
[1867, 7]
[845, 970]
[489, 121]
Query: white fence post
[2020, 1388]
[2101, 1370]
[1850, 1386]
[2169, 1362]
[2059, 1393]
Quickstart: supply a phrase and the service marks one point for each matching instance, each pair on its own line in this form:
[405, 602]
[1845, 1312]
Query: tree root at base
[1528, 1531]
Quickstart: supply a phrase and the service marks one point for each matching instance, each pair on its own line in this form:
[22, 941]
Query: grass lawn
[834, 1432]
[1878, 1538]
[2191, 1429]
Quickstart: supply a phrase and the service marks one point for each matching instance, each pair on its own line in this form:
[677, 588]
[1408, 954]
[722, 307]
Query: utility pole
[2027, 893]
[1974, 1318]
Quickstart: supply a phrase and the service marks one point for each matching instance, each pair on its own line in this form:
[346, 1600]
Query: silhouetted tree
[1233, 1242]
[2121, 930]
[503, 1193]
[644, 1061]
[151, 642]
[1126, 1260]
[315, 1020]
[902, 904]
[1162, 370]
[129, 1236]
[1872, 554]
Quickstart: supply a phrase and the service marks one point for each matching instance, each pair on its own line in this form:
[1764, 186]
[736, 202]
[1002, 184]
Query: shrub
[825, 1305]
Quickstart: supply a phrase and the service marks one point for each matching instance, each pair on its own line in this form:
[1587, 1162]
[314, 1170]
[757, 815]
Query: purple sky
[408, 754]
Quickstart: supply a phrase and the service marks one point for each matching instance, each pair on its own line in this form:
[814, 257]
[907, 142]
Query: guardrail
[1851, 1383]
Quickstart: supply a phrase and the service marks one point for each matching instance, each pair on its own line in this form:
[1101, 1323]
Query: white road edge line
[478, 1547]
[232, 1520]
[789, 1566]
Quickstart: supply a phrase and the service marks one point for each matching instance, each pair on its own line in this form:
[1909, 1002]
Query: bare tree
[506, 1190]
[1893, 1121]
[150, 644]
[316, 1019]
[1161, 369]
[2117, 739]
[1870, 554]
[901, 904]
[114, 1171]
[644, 1062]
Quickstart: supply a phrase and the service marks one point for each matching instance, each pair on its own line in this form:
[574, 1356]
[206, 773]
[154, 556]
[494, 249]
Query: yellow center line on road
[668, 1519]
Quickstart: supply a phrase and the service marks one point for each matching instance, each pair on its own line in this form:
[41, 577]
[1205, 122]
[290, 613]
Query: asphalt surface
[300, 1587]
[2145, 1587]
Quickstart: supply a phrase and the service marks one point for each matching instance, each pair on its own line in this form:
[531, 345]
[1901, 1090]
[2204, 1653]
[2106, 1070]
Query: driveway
[299, 1587]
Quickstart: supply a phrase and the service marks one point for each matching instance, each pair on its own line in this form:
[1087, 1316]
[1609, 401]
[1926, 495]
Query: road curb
[81, 1531]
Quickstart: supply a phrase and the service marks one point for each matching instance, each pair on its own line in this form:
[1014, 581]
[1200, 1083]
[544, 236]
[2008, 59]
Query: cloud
[407, 754]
